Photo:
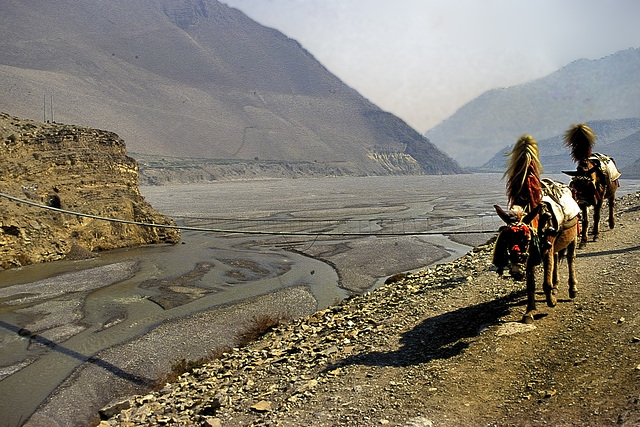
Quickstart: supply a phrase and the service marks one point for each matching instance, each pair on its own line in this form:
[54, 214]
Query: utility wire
[259, 232]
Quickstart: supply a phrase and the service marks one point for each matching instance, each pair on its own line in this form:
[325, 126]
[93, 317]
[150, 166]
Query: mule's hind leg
[584, 222]
[550, 275]
[596, 219]
[612, 219]
[573, 279]
[556, 258]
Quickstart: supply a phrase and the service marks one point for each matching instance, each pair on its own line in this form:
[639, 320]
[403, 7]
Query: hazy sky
[424, 59]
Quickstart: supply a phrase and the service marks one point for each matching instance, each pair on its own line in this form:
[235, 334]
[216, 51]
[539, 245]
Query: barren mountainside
[583, 91]
[190, 79]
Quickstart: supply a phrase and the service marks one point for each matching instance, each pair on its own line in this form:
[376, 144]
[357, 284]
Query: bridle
[584, 190]
[524, 229]
[517, 241]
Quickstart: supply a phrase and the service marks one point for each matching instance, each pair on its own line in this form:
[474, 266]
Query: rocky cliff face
[76, 169]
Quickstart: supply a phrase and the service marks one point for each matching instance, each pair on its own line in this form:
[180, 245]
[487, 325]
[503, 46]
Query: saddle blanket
[607, 166]
[560, 202]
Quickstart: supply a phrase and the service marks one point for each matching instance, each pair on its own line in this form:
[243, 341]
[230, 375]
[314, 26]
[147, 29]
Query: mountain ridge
[584, 90]
[193, 79]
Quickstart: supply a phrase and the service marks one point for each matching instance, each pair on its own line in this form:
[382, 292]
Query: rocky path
[439, 347]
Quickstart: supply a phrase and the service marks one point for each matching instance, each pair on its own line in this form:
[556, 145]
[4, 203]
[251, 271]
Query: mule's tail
[523, 173]
[580, 139]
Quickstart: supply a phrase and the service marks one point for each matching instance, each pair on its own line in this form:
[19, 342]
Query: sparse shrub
[398, 277]
[183, 366]
[259, 326]
[77, 252]
[23, 258]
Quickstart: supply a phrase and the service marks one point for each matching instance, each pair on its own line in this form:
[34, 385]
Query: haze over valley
[474, 75]
[603, 91]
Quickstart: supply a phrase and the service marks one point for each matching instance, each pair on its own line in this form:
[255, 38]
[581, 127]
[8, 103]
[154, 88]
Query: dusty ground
[438, 347]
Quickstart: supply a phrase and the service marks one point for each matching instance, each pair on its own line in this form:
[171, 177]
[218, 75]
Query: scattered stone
[114, 408]
[419, 422]
[262, 406]
[511, 328]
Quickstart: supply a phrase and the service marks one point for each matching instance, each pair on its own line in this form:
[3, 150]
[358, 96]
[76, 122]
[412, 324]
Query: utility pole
[44, 108]
[52, 120]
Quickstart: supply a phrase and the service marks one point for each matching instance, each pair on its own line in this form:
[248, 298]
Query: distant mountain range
[632, 170]
[619, 139]
[590, 91]
[189, 79]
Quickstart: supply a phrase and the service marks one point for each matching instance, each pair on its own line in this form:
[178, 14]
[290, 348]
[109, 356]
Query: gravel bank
[137, 365]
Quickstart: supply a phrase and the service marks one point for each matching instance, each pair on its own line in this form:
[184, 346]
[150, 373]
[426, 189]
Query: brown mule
[518, 247]
[530, 236]
[594, 180]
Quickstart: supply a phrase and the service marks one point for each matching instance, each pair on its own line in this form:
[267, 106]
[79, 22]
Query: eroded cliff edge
[76, 169]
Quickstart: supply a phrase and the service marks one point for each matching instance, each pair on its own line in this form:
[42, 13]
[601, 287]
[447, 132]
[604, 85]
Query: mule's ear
[531, 215]
[590, 171]
[502, 214]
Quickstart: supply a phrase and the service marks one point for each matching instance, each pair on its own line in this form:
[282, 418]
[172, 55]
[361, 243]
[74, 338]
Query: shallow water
[71, 310]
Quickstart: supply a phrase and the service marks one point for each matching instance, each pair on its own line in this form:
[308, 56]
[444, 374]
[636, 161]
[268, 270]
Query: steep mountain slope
[194, 78]
[585, 90]
[632, 170]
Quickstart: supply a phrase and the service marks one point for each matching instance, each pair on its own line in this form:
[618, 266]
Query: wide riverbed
[113, 324]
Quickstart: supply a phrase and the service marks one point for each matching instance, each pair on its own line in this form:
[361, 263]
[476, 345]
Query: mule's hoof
[582, 244]
[550, 294]
[573, 293]
[527, 318]
[612, 226]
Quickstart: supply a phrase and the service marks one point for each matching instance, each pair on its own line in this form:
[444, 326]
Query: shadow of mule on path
[439, 337]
